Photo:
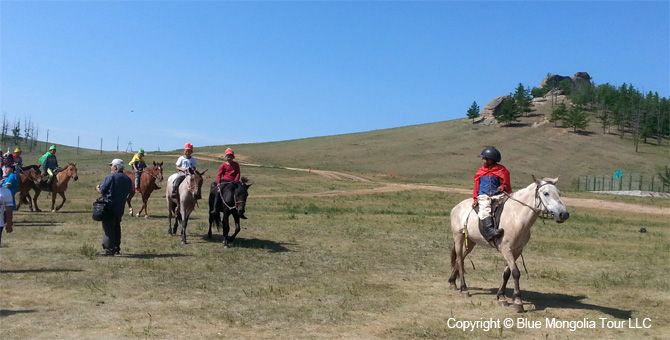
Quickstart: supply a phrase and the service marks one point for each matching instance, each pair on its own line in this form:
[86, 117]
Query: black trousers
[111, 240]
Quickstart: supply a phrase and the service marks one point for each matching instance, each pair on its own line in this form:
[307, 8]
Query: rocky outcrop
[490, 109]
[578, 79]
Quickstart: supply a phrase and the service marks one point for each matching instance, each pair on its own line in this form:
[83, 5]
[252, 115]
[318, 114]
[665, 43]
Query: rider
[228, 172]
[184, 163]
[18, 160]
[49, 165]
[138, 165]
[491, 180]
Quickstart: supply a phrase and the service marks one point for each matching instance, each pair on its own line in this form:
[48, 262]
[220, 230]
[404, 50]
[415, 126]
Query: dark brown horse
[148, 184]
[29, 179]
[58, 186]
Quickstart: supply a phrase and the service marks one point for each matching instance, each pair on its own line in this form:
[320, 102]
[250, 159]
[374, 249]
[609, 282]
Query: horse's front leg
[226, 229]
[37, 194]
[53, 200]
[502, 300]
[144, 207]
[236, 218]
[128, 201]
[184, 222]
[516, 275]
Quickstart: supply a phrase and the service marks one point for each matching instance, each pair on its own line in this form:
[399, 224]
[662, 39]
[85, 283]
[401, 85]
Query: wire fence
[627, 182]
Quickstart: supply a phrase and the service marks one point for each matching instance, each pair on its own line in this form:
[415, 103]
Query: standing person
[138, 165]
[491, 181]
[228, 171]
[115, 188]
[184, 163]
[49, 165]
[12, 182]
[6, 212]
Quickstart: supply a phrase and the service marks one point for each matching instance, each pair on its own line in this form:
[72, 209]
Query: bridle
[224, 201]
[539, 203]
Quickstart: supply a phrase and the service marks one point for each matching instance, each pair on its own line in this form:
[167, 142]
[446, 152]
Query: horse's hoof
[183, 242]
[453, 286]
[465, 294]
[53, 210]
[225, 246]
[503, 303]
[518, 308]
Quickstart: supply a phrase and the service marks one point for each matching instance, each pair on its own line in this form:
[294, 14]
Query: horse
[148, 184]
[189, 193]
[233, 200]
[519, 214]
[29, 178]
[58, 186]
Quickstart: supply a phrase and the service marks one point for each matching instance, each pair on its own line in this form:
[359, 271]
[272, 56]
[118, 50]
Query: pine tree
[576, 118]
[473, 111]
[559, 113]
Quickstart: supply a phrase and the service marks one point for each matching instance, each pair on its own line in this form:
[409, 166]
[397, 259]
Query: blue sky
[163, 73]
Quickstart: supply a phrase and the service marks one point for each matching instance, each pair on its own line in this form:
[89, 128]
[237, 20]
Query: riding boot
[215, 209]
[488, 230]
[175, 189]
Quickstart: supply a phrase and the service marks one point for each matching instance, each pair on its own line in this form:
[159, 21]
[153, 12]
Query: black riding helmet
[492, 154]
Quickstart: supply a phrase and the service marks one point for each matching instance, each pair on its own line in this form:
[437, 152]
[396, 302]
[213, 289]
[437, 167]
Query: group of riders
[13, 163]
[229, 171]
[490, 181]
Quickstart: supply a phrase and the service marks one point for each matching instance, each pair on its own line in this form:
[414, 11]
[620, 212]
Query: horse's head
[71, 171]
[196, 181]
[34, 175]
[157, 171]
[241, 193]
[550, 198]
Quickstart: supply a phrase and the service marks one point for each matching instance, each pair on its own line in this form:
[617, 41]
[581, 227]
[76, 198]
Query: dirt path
[392, 187]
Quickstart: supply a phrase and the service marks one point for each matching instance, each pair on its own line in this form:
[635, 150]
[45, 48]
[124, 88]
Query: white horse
[189, 193]
[519, 214]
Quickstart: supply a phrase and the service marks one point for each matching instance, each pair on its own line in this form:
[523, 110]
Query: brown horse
[58, 186]
[148, 184]
[29, 178]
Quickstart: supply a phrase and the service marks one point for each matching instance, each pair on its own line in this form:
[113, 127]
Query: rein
[537, 209]
[224, 201]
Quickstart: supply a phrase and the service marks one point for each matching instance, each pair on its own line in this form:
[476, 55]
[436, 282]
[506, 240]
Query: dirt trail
[392, 187]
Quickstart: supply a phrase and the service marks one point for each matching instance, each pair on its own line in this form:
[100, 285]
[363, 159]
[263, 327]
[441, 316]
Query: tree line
[623, 108]
[16, 135]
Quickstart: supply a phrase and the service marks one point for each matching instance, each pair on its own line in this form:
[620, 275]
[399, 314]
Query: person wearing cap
[18, 160]
[491, 181]
[115, 188]
[138, 165]
[49, 166]
[12, 182]
[185, 163]
[228, 171]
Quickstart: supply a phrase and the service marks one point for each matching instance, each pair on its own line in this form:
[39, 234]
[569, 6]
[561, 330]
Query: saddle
[497, 206]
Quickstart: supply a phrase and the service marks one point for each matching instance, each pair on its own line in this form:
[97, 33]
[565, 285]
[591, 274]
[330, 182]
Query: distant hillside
[445, 152]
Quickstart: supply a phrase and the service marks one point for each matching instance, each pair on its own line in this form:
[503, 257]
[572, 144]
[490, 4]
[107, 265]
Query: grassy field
[305, 266]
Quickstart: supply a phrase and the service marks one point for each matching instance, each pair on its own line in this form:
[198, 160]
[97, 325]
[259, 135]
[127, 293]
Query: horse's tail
[453, 256]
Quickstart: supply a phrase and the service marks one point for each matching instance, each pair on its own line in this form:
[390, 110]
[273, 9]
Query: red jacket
[498, 171]
[228, 172]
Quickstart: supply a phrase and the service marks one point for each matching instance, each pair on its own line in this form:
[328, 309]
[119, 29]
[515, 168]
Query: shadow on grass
[543, 301]
[40, 270]
[37, 224]
[254, 243]
[149, 256]
[7, 312]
